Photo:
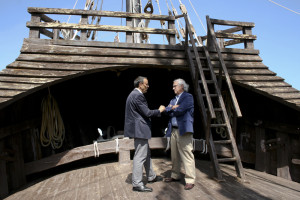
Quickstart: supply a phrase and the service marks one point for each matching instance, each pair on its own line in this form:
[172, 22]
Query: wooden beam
[99, 13]
[55, 25]
[283, 157]
[91, 60]
[34, 31]
[17, 173]
[231, 23]
[232, 42]
[82, 152]
[231, 30]
[3, 172]
[261, 155]
[101, 51]
[235, 36]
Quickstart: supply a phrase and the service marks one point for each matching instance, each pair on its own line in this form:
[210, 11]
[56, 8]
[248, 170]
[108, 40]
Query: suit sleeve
[143, 108]
[186, 103]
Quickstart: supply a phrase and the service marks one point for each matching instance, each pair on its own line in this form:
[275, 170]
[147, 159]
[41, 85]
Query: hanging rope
[198, 16]
[184, 11]
[52, 128]
[179, 23]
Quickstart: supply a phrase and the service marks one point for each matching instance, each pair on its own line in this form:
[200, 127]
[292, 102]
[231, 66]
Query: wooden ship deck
[113, 181]
[78, 72]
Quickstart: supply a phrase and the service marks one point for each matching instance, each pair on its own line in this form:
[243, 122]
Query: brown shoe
[188, 186]
[170, 179]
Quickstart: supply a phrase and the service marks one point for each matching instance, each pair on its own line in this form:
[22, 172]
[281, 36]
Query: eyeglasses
[174, 86]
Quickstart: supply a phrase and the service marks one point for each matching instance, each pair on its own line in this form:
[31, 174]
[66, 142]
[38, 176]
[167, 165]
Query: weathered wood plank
[231, 23]
[69, 50]
[232, 42]
[295, 95]
[249, 72]
[88, 151]
[17, 86]
[12, 79]
[99, 13]
[100, 60]
[54, 66]
[99, 44]
[38, 73]
[259, 84]
[257, 78]
[55, 25]
[5, 93]
[4, 99]
[236, 36]
[235, 57]
[279, 90]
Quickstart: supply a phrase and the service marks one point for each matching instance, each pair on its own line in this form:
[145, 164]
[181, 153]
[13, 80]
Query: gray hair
[138, 80]
[183, 83]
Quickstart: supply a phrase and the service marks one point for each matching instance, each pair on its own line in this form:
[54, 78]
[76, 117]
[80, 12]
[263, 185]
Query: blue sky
[277, 29]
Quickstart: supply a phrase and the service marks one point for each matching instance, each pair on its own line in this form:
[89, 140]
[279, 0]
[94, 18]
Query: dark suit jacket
[184, 114]
[137, 116]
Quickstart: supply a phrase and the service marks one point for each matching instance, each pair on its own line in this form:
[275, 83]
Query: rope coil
[52, 128]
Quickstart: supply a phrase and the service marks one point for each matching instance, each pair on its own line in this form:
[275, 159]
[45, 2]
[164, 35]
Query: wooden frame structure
[47, 62]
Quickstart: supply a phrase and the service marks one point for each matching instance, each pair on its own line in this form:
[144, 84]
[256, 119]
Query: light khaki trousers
[181, 151]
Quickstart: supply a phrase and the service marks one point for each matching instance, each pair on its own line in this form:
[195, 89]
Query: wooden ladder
[210, 100]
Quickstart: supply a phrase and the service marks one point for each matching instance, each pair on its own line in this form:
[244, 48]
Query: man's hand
[174, 107]
[162, 108]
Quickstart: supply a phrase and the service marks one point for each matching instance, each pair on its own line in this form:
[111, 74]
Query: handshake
[162, 108]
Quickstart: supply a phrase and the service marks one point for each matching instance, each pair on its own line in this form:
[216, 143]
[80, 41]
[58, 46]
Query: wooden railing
[245, 37]
[40, 22]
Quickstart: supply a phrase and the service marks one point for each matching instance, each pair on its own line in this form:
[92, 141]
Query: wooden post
[261, 154]
[283, 158]
[209, 41]
[35, 32]
[129, 22]
[56, 32]
[83, 33]
[17, 175]
[3, 177]
[124, 157]
[171, 25]
[248, 44]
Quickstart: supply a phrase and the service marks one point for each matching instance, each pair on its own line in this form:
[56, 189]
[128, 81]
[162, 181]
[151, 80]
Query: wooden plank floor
[113, 181]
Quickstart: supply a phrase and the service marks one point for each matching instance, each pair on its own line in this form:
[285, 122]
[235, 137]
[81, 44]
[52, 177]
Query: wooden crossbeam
[99, 13]
[54, 25]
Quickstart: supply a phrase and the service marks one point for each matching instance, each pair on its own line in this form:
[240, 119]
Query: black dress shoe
[142, 189]
[156, 179]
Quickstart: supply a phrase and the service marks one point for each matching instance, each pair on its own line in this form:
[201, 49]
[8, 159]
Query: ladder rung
[217, 125]
[216, 109]
[207, 81]
[227, 159]
[205, 69]
[222, 142]
[211, 95]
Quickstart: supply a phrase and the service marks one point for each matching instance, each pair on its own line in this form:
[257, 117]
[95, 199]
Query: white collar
[139, 90]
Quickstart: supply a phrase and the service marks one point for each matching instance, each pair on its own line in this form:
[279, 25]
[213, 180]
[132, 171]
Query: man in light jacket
[180, 129]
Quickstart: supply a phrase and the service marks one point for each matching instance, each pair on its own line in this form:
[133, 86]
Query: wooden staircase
[211, 103]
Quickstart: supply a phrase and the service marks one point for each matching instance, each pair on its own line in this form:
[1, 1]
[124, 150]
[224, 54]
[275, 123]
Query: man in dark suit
[180, 129]
[138, 126]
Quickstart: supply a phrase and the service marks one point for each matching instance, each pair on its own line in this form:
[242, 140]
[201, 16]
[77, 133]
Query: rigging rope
[52, 128]
[284, 7]
[198, 16]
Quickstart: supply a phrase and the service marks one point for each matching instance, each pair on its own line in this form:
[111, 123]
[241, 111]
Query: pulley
[148, 5]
